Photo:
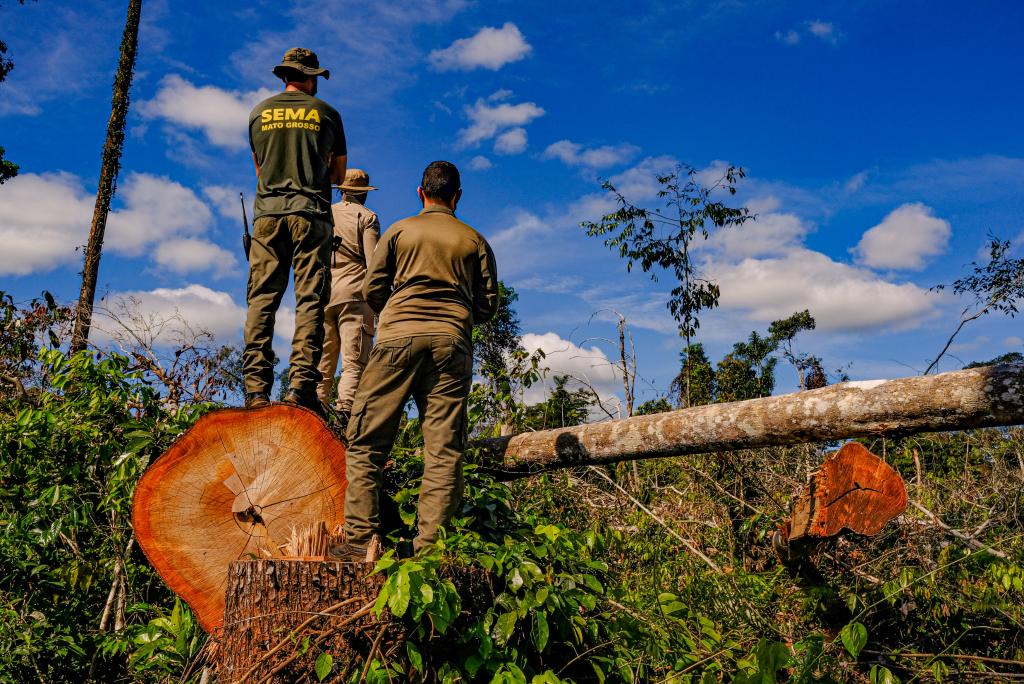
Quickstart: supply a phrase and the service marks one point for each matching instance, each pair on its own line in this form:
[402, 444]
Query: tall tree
[695, 372]
[660, 238]
[109, 168]
[808, 368]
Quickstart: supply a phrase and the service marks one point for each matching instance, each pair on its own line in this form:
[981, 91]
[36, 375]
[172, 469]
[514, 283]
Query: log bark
[974, 398]
[280, 615]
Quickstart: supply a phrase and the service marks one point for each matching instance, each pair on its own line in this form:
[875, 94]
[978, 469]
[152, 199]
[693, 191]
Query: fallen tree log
[238, 483]
[974, 398]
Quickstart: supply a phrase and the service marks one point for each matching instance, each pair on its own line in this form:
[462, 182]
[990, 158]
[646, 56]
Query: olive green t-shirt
[431, 274]
[294, 136]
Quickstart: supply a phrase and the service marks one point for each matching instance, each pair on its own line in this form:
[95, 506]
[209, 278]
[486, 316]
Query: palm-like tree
[109, 168]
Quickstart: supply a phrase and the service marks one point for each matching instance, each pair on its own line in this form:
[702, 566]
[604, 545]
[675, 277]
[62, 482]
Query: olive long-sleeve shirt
[431, 274]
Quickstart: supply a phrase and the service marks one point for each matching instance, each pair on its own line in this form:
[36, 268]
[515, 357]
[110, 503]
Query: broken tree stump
[235, 486]
[281, 614]
[853, 491]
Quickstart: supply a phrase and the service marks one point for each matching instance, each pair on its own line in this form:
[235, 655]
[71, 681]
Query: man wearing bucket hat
[298, 148]
[348, 319]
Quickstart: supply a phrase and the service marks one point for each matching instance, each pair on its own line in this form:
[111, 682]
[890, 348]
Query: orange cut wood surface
[852, 490]
[233, 487]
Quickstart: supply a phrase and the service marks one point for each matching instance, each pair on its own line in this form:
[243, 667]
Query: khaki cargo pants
[437, 371]
[348, 329]
[279, 244]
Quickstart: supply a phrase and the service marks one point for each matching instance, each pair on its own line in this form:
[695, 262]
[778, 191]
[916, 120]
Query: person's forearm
[338, 166]
[256, 164]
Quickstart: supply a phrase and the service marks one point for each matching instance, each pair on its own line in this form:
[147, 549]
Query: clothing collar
[431, 208]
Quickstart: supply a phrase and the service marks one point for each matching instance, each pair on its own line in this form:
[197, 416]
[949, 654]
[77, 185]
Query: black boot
[307, 400]
[256, 399]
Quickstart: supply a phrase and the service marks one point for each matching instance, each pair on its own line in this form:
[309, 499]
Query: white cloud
[767, 289]
[490, 48]
[550, 285]
[789, 37]
[45, 218]
[574, 154]
[487, 120]
[823, 30]
[480, 163]
[155, 209]
[1014, 341]
[379, 37]
[512, 141]
[190, 255]
[201, 308]
[587, 365]
[222, 115]
[769, 234]
[855, 182]
[525, 224]
[905, 239]
[640, 182]
[225, 200]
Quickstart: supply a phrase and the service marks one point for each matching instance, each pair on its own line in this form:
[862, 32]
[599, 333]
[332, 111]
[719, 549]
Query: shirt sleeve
[485, 290]
[340, 148]
[371, 233]
[380, 276]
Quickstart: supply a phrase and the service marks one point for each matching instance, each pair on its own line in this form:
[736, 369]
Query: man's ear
[455, 200]
[423, 198]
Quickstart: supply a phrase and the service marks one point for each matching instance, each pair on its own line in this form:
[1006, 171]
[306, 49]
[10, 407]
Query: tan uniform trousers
[279, 244]
[437, 371]
[348, 329]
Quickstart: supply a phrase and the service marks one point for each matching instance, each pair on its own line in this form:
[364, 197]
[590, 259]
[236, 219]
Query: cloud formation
[490, 48]
[194, 255]
[221, 115]
[491, 116]
[906, 239]
[588, 366]
[46, 217]
[512, 141]
[480, 163]
[155, 209]
[574, 154]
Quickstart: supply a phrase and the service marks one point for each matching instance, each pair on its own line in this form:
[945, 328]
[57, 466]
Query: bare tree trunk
[961, 400]
[109, 169]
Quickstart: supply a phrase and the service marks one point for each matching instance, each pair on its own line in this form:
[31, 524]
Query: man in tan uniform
[432, 279]
[348, 319]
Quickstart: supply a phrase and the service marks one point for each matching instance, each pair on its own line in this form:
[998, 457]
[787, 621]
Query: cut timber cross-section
[234, 487]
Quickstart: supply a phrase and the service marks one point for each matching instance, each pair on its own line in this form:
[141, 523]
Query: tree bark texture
[281, 614]
[973, 398]
[109, 168]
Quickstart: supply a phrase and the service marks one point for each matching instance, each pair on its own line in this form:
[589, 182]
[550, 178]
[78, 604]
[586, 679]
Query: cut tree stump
[235, 486]
[281, 614]
[853, 490]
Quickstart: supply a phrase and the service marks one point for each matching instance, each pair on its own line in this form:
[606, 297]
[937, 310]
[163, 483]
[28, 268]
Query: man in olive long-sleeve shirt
[432, 279]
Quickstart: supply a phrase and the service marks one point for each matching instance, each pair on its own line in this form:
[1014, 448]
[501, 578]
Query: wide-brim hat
[356, 181]
[301, 60]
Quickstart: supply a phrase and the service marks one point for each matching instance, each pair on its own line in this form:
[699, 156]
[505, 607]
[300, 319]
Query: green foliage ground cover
[582, 584]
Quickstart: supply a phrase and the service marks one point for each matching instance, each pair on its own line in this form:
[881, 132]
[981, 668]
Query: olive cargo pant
[437, 370]
[280, 243]
[348, 329]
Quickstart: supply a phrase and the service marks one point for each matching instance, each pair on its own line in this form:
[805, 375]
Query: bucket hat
[301, 60]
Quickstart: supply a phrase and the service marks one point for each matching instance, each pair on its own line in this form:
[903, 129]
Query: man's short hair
[441, 181]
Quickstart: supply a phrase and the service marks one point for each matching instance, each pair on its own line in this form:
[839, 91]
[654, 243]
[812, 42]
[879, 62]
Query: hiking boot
[348, 553]
[256, 399]
[306, 400]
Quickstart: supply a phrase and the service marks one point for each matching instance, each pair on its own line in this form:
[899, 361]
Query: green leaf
[855, 637]
[772, 656]
[540, 630]
[415, 657]
[324, 663]
[398, 602]
[504, 627]
[882, 675]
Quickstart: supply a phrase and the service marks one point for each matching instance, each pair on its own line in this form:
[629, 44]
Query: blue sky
[881, 139]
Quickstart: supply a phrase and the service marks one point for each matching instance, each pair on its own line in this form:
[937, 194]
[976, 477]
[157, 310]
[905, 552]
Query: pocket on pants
[369, 322]
[459, 357]
[395, 353]
[264, 227]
